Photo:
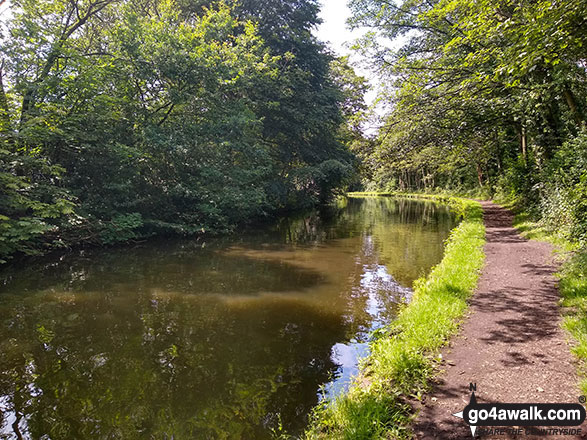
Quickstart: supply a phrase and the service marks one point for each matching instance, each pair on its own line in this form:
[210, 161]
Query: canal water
[218, 339]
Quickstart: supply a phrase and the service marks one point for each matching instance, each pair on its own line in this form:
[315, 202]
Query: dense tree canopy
[484, 93]
[124, 118]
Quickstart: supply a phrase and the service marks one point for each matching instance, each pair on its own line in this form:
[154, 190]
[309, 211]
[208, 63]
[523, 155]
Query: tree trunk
[523, 141]
[499, 152]
[572, 103]
[479, 174]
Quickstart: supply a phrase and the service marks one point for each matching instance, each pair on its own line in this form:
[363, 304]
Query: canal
[227, 338]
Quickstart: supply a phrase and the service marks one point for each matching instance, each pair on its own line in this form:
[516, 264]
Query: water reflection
[220, 340]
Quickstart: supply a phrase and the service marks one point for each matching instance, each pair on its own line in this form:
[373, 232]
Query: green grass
[573, 289]
[572, 283]
[404, 357]
[533, 229]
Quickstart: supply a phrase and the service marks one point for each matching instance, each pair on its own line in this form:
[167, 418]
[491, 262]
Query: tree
[169, 116]
[495, 83]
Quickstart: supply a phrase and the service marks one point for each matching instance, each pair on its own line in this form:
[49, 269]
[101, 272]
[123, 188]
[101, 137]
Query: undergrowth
[573, 289]
[572, 282]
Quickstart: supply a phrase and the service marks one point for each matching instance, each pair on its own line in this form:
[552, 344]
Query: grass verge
[572, 283]
[533, 229]
[403, 356]
[573, 289]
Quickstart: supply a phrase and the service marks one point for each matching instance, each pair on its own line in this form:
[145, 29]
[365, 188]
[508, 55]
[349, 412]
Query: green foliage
[573, 288]
[121, 228]
[402, 360]
[30, 204]
[484, 95]
[167, 117]
[564, 205]
[553, 209]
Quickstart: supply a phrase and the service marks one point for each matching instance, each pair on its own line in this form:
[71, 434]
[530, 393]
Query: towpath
[511, 345]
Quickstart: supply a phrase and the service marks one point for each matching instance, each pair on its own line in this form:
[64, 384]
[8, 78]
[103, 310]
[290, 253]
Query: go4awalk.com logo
[553, 418]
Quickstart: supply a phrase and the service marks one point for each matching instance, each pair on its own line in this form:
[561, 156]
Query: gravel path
[511, 344]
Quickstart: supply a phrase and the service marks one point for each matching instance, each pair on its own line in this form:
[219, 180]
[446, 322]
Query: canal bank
[227, 338]
[404, 355]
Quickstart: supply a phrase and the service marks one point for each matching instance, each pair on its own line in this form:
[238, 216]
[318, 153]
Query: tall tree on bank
[124, 118]
[302, 113]
[483, 93]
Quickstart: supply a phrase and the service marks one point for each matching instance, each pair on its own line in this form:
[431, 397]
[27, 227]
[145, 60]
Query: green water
[223, 339]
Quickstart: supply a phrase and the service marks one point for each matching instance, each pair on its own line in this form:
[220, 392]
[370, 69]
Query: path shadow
[517, 318]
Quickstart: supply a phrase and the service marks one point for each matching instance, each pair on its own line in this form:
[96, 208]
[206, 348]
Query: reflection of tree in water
[196, 272]
[360, 216]
[408, 235]
[177, 339]
[191, 369]
[374, 295]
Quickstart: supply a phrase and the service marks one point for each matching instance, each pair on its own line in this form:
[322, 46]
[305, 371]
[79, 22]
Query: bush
[30, 203]
[121, 228]
[564, 203]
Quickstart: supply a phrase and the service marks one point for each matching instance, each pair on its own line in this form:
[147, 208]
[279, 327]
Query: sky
[335, 32]
[4, 8]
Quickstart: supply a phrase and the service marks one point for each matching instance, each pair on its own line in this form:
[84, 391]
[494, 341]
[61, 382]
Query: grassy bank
[573, 289]
[404, 357]
[572, 283]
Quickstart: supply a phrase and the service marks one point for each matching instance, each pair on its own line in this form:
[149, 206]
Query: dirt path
[511, 345]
